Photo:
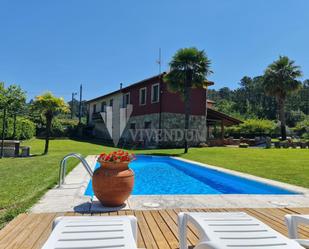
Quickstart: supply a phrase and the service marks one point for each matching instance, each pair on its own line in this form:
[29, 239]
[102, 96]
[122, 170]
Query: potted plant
[113, 182]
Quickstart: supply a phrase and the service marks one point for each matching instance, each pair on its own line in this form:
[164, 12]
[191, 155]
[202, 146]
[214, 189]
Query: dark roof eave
[125, 88]
[103, 96]
[229, 120]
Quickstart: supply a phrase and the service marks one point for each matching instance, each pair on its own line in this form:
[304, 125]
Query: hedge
[253, 127]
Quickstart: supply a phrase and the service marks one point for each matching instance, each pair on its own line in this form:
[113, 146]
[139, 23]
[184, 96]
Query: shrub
[285, 144]
[252, 127]
[302, 128]
[305, 136]
[60, 128]
[25, 128]
[63, 127]
[294, 117]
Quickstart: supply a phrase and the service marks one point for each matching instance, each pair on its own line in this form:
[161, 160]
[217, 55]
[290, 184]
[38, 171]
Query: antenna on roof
[159, 61]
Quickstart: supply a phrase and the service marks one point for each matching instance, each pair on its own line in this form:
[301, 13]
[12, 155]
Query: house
[147, 114]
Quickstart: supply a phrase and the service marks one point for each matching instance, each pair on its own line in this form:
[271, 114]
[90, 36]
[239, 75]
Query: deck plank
[13, 235]
[12, 225]
[156, 229]
[41, 240]
[147, 235]
[165, 229]
[31, 241]
[25, 233]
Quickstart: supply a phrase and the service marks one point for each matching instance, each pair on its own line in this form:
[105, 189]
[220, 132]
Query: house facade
[147, 114]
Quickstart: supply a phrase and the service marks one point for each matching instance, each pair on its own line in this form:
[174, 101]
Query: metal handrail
[63, 165]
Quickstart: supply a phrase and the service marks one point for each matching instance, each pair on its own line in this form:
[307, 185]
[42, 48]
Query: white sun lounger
[73, 232]
[292, 222]
[231, 231]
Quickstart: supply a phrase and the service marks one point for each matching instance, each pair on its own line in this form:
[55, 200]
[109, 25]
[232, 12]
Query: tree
[304, 98]
[16, 103]
[189, 68]
[49, 106]
[12, 99]
[280, 80]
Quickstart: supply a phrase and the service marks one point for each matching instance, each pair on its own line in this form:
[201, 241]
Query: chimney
[120, 85]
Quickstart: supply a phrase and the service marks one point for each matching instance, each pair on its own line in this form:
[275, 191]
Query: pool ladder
[63, 166]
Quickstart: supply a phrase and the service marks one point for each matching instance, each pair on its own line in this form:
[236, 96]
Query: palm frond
[187, 61]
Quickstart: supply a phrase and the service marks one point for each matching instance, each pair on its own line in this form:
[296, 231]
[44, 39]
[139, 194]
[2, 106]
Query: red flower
[116, 156]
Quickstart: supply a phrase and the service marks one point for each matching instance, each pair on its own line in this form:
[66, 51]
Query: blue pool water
[157, 175]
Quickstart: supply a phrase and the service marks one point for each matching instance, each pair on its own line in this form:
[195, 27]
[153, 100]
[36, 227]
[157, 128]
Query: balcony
[96, 116]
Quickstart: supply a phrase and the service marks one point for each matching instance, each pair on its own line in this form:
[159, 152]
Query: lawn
[24, 180]
[286, 165]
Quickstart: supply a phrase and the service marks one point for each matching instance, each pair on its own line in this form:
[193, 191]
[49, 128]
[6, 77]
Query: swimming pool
[158, 175]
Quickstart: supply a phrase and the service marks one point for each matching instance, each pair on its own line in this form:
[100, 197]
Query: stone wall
[169, 136]
[173, 121]
[131, 137]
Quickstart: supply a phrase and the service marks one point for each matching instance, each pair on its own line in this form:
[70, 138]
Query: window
[126, 99]
[147, 124]
[111, 102]
[142, 96]
[155, 93]
[132, 126]
[94, 108]
[103, 105]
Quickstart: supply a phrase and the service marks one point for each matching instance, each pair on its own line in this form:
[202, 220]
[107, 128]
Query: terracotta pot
[112, 183]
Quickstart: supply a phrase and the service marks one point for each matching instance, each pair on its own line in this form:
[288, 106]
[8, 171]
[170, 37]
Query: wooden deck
[157, 228]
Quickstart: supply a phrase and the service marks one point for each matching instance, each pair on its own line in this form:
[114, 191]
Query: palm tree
[280, 80]
[49, 106]
[189, 68]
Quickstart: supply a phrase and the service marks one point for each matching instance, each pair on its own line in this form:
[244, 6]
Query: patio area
[156, 228]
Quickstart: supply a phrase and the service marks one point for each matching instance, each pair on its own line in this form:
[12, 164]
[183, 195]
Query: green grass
[286, 165]
[24, 180]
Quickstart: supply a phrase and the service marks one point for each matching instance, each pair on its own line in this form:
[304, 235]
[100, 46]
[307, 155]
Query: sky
[56, 45]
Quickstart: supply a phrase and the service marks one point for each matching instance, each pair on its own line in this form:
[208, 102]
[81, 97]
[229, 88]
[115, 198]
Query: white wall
[117, 104]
